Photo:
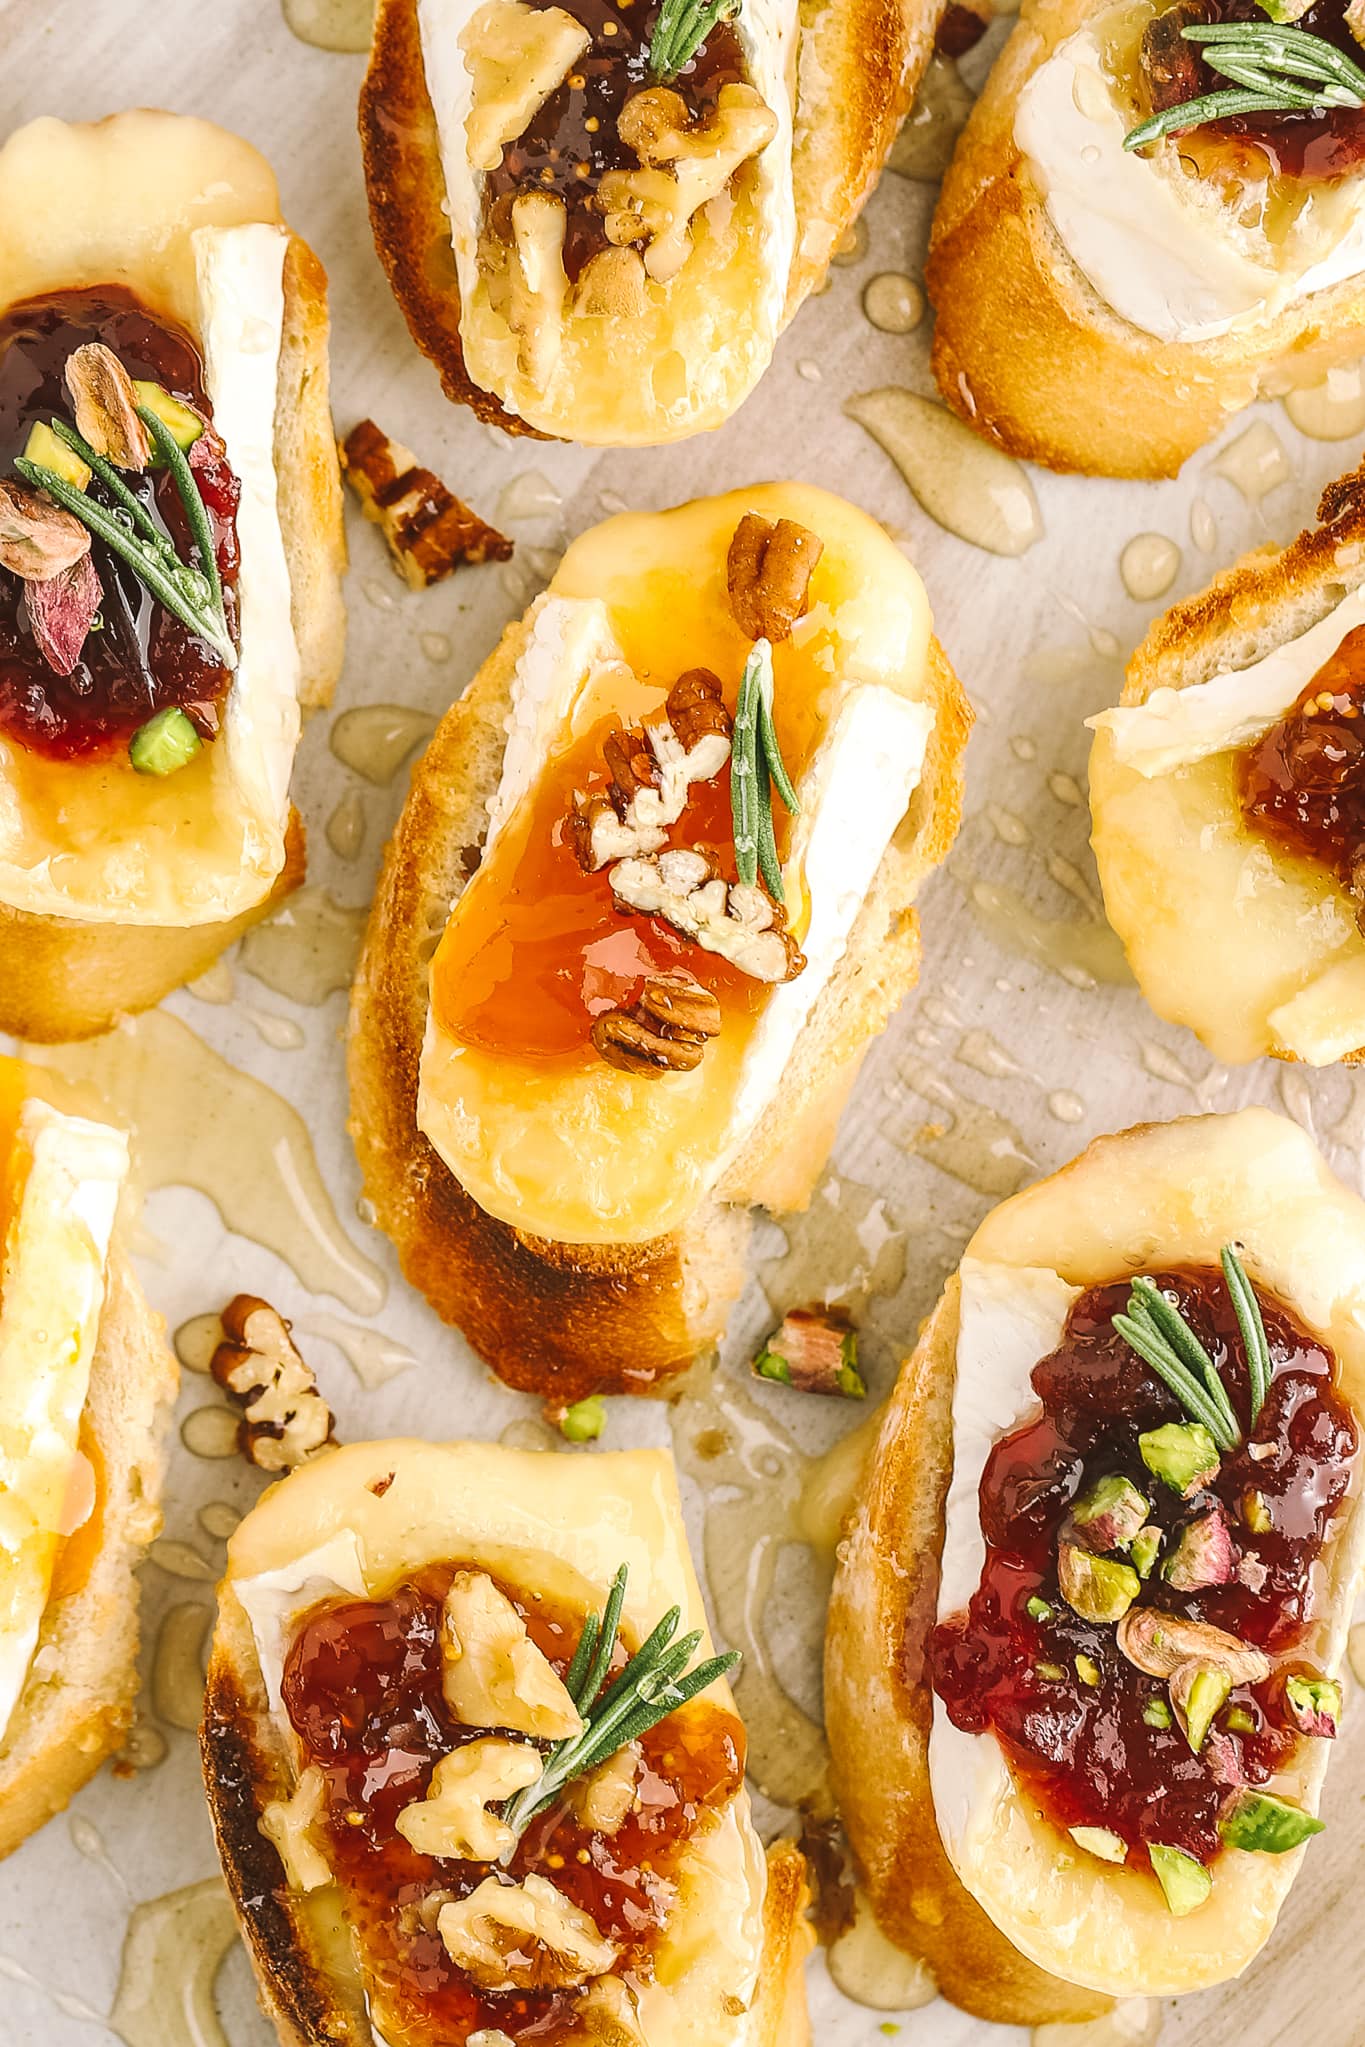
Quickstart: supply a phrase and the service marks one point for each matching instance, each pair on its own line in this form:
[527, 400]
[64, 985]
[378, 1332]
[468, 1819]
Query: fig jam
[1084, 1750]
[141, 659]
[1303, 783]
[573, 140]
[362, 1687]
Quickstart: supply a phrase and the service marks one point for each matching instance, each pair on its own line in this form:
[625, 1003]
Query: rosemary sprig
[756, 766]
[1263, 62]
[1138, 1331]
[186, 484]
[654, 1683]
[1248, 1311]
[680, 29]
[1155, 1328]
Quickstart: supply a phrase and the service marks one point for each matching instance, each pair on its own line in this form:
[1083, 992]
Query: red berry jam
[362, 1688]
[1303, 783]
[1084, 1749]
[573, 140]
[141, 659]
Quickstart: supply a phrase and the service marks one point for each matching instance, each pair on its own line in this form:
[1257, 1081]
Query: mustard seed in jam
[573, 140]
[141, 659]
[363, 1691]
[1303, 784]
[1080, 1724]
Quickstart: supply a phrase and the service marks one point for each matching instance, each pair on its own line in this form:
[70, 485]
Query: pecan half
[652, 772]
[106, 406]
[667, 1031]
[285, 1420]
[428, 530]
[768, 570]
[38, 540]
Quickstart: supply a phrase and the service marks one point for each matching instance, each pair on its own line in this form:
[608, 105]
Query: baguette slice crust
[1154, 1195]
[77, 1704]
[62, 978]
[564, 1320]
[309, 1983]
[1269, 597]
[858, 65]
[1029, 354]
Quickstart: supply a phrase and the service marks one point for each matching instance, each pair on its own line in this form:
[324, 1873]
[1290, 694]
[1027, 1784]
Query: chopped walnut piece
[666, 1032]
[603, 1800]
[516, 57]
[428, 530]
[61, 612]
[453, 1821]
[607, 2015]
[611, 284]
[291, 1827]
[768, 570]
[741, 924]
[652, 773]
[815, 1351]
[38, 540]
[106, 406]
[1159, 1643]
[494, 1675]
[656, 205]
[538, 283]
[525, 1936]
[285, 1421]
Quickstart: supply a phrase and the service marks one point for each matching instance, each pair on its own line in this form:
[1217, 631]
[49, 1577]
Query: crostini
[1227, 793]
[473, 1770]
[1155, 214]
[647, 906]
[1094, 1592]
[170, 556]
[598, 217]
[86, 1379]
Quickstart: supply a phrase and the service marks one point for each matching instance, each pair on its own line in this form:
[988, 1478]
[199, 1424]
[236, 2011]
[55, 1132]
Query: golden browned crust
[858, 65]
[64, 978]
[565, 1320]
[1029, 355]
[878, 1705]
[69, 1720]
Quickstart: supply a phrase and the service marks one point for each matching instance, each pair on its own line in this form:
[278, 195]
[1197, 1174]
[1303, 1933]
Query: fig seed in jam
[362, 1687]
[141, 660]
[1074, 1717]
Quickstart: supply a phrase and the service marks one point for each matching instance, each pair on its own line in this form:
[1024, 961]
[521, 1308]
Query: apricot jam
[538, 948]
[573, 140]
[1303, 783]
[141, 659]
[362, 1687]
[1084, 1750]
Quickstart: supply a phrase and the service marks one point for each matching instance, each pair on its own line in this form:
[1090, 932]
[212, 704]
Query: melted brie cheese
[593, 1154]
[1158, 247]
[70, 1173]
[1161, 1195]
[1253, 948]
[562, 1526]
[704, 338]
[187, 217]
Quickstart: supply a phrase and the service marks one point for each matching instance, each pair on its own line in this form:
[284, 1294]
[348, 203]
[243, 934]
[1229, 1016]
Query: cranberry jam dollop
[1303, 783]
[142, 659]
[1084, 1749]
[362, 1687]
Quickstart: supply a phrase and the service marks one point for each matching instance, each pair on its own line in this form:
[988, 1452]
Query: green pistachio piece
[1087, 1670]
[1237, 1720]
[585, 1420]
[184, 425]
[1183, 1455]
[165, 744]
[1185, 1882]
[1314, 1705]
[1099, 1841]
[1157, 1713]
[1097, 1588]
[1146, 1547]
[1038, 1609]
[43, 446]
[1266, 1825]
[1110, 1514]
[1053, 1672]
[1255, 1512]
[1197, 1694]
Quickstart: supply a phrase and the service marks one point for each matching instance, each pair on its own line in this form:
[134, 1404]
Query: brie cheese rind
[592, 1154]
[1161, 248]
[1254, 949]
[704, 338]
[561, 1526]
[187, 217]
[1163, 1194]
[67, 1178]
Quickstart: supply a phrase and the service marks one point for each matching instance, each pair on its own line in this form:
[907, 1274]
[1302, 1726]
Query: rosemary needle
[680, 29]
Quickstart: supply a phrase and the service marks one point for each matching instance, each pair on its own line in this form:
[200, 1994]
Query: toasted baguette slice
[538, 1522]
[1027, 352]
[563, 1319]
[1257, 951]
[1018, 1925]
[77, 1704]
[857, 65]
[63, 978]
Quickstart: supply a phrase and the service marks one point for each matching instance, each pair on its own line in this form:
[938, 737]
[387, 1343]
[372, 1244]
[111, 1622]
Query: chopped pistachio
[1314, 1705]
[43, 446]
[1110, 1513]
[1053, 1672]
[1185, 1882]
[1146, 1546]
[1255, 1512]
[1100, 1841]
[165, 744]
[1038, 1609]
[1183, 1455]
[585, 1420]
[1203, 1556]
[1157, 1713]
[184, 424]
[1266, 1825]
[1198, 1692]
[1237, 1720]
[1087, 1670]
[1097, 1588]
